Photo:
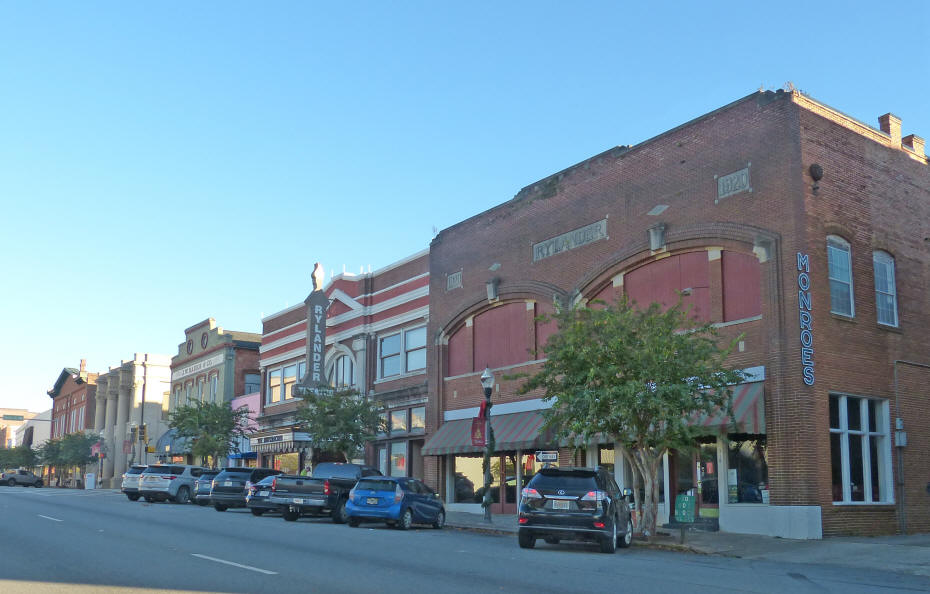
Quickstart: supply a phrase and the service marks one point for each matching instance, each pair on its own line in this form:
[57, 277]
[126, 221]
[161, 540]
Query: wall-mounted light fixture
[816, 172]
[657, 237]
[492, 288]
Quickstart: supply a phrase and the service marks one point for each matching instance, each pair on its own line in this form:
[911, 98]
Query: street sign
[547, 456]
[684, 508]
[13, 418]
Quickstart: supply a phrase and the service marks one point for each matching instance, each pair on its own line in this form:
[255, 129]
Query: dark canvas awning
[517, 431]
[748, 411]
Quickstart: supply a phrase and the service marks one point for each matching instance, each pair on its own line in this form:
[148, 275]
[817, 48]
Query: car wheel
[526, 540]
[203, 503]
[609, 543]
[406, 519]
[354, 522]
[340, 515]
[183, 495]
[37, 484]
[11, 482]
[440, 520]
[290, 516]
[219, 507]
[147, 498]
[257, 512]
[132, 496]
[627, 539]
[552, 540]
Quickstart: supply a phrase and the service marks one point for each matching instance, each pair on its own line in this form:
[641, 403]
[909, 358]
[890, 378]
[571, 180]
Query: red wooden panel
[460, 352]
[661, 280]
[608, 295]
[544, 331]
[694, 270]
[742, 286]
[501, 336]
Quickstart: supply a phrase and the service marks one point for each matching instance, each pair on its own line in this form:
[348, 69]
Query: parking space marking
[225, 562]
[50, 518]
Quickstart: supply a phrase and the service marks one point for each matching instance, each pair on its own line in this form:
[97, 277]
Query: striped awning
[748, 411]
[517, 431]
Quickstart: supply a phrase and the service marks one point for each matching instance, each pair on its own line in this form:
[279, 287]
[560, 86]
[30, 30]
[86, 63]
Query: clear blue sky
[165, 162]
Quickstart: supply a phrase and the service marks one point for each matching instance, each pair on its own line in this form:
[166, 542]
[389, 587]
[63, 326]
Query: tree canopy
[213, 429]
[18, 457]
[640, 377]
[340, 421]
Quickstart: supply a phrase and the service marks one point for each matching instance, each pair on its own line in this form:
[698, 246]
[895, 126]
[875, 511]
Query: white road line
[249, 567]
[50, 518]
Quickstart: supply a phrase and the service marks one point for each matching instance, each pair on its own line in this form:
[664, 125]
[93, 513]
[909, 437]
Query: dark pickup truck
[326, 491]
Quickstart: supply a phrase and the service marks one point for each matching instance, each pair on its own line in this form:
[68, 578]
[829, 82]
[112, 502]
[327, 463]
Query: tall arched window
[886, 298]
[342, 373]
[839, 262]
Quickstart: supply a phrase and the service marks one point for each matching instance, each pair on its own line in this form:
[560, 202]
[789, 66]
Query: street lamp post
[487, 382]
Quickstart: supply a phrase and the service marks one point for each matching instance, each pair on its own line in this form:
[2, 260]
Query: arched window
[886, 298]
[839, 263]
[342, 373]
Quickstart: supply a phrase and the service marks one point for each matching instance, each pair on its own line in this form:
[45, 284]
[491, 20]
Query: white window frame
[882, 433]
[214, 385]
[402, 353]
[838, 245]
[331, 376]
[301, 371]
[882, 258]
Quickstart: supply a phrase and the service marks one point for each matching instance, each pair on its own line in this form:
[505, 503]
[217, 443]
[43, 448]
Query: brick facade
[875, 193]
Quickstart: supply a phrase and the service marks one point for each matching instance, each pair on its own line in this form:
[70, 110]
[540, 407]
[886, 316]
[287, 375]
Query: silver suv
[130, 484]
[161, 482]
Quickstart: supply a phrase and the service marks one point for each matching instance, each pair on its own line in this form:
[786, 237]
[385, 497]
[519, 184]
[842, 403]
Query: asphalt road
[97, 541]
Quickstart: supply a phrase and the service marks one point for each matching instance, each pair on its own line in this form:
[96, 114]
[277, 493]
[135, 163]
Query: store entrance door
[504, 483]
[695, 473]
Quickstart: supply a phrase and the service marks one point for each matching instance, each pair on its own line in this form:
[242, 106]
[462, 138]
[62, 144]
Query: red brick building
[777, 217]
[376, 342]
[73, 401]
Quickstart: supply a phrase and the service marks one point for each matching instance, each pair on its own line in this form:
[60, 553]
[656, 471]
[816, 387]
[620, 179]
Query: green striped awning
[517, 431]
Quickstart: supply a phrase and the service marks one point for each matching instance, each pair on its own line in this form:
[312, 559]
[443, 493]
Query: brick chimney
[890, 124]
[915, 143]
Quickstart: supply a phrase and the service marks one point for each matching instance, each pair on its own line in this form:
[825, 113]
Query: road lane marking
[50, 518]
[249, 567]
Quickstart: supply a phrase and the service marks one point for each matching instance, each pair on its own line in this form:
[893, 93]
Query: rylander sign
[317, 304]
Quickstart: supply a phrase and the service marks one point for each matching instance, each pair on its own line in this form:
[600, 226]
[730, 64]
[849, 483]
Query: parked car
[398, 501]
[575, 504]
[202, 486]
[25, 478]
[257, 499]
[130, 485]
[161, 482]
[325, 492]
[232, 484]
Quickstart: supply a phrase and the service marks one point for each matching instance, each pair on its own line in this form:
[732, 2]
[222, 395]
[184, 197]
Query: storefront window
[382, 459]
[385, 424]
[748, 472]
[287, 463]
[399, 458]
[290, 379]
[399, 421]
[418, 419]
[274, 386]
[605, 458]
[468, 479]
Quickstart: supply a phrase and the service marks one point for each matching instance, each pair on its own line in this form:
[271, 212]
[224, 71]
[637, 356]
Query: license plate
[372, 501]
[227, 483]
[561, 504]
[263, 493]
[298, 500]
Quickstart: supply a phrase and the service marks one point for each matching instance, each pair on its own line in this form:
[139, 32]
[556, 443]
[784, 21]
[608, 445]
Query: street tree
[339, 421]
[640, 377]
[18, 457]
[213, 429]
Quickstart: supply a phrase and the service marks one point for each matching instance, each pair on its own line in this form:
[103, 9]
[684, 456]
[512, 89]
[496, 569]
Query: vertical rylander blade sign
[317, 304]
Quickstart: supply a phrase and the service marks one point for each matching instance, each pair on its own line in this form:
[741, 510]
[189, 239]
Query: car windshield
[569, 481]
[164, 470]
[135, 470]
[334, 470]
[208, 476]
[267, 480]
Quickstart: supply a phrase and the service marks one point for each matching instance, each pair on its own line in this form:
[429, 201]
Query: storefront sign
[734, 183]
[805, 318]
[570, 240]
[198, 366]
[317, 304]
[280, 438]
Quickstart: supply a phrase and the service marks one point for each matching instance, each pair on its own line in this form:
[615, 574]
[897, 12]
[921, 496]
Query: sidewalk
[903, 554]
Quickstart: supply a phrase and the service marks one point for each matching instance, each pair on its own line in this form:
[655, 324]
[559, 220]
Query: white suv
[130, 484]
[161, 482]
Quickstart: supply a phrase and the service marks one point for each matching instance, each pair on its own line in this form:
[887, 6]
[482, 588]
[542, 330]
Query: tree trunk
[637, 483]
[647, 462]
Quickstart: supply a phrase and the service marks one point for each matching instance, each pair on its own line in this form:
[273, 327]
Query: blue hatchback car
[398, 501]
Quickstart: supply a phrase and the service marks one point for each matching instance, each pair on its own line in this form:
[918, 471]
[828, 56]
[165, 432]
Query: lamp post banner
[478, 437]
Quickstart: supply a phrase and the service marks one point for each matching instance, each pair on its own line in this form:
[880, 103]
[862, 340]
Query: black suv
[575, 504]
[232, 484]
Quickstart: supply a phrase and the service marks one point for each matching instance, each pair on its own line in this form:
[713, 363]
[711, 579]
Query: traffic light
[133, 433]
[145, 434]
